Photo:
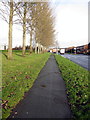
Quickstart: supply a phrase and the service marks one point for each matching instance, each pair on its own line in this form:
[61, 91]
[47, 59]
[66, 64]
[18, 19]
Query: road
[82, 60]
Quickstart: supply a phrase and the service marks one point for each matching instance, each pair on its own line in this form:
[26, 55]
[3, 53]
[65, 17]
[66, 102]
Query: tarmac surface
[47, 98]
[80, 59]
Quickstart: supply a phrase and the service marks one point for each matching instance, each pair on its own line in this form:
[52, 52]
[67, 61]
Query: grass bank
[18, 76]
[76, 80]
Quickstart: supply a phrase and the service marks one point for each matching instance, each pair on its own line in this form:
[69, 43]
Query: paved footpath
[47, 98]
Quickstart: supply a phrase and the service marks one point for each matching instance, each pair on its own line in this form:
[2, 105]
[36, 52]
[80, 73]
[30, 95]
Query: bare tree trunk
[41, 50]
[38, 49]
[10, 31]
[24, 30]
[31, 41]
[35, 43]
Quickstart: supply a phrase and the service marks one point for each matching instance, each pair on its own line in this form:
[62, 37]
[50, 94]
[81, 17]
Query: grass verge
[0, 84]
[76, 80]
[18, 77]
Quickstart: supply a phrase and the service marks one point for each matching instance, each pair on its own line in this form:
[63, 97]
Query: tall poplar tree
[10, 31]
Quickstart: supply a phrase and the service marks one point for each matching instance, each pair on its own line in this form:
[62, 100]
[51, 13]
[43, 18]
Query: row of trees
[35, 18]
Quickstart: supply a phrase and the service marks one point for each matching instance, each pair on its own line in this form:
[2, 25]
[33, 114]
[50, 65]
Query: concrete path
[47, 98]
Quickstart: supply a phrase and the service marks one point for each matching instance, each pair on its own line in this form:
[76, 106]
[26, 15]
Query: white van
[62, 51]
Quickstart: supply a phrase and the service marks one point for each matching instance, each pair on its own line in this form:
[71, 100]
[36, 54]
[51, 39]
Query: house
[3, 47]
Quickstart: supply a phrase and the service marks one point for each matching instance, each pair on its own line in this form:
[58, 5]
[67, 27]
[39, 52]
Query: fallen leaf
[27, 77]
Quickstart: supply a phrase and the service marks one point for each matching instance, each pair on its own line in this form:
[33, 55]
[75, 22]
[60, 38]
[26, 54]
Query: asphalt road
[82, 60]
[47, 98]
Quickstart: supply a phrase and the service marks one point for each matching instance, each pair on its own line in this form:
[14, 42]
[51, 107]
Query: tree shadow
[18, 55]
[5, 55]
[22, 55]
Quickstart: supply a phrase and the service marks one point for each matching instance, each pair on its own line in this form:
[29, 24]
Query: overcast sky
[71, 24]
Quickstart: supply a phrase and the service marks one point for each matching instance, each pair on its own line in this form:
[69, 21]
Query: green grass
[18, 76]
[0, 84]
[76, 80]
